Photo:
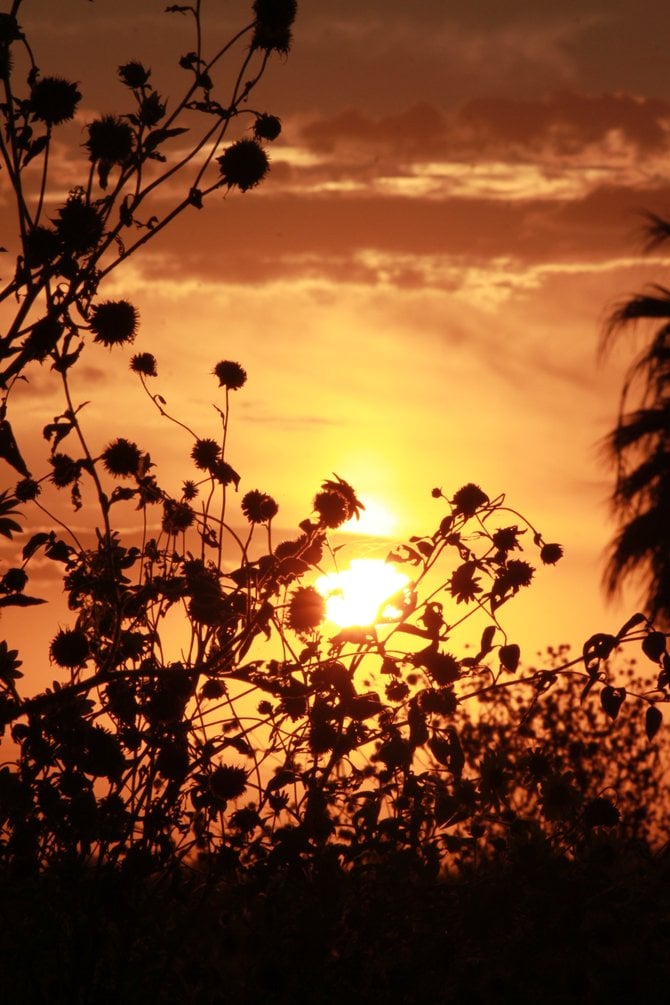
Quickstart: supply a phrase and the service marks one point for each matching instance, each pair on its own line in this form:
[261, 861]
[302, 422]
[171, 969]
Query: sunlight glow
[376, 520]
[363, 593]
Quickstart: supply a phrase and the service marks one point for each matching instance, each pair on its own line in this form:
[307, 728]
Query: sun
[362, 594]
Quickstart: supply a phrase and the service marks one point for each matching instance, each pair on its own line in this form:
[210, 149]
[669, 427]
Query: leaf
[487, 639]
[611, 699]
[34, 149]
[59, 551]
[653, 721]
[9, 450]
[158, 136]
[632, 622]
[426, 548]
[20, 600]
[597, 648]
[653, 646]
[509, 657]
[35, 542]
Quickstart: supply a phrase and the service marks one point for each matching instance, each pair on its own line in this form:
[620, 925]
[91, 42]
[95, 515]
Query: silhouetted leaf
[35, 542]
[597, 648]
[653, 721]
[9, 450]
[632, 622]
[20, 600]
[34, 149]
[653, 646]
[158, 136]
[510, 656]
[611, 699]
[487, 639]
[601, 812]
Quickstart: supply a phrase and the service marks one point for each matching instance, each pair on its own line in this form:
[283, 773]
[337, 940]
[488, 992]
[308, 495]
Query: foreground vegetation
[269, 807]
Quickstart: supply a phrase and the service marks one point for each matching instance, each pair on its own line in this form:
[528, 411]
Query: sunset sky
[418, 289]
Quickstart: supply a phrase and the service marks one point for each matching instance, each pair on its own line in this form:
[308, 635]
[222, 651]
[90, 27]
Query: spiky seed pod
[551, 553]
[133, 74]
[15, 580]
[42, 246]
[230, 375]
[206, 454]
[243, 165]
[144, 363]
[152, 109]
[110, 139]
[43, 338]
[69, 648]
[274, 19]
[27, 489]
[469, 499]
[65, 470]
[114, 322]
[259, 507]
[227, 782]
[177, 517]
[54, 100]
[332, 508]
[307, 609]
[267, 127]
[78, 226]
[122, 458]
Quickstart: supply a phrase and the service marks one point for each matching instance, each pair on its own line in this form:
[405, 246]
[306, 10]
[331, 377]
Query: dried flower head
[551, 553]
[206, 454]
[152, 109]
[69, 648]
[259, 507]
[227, 782]
[65, 470]
[144, 363]
[122, 458]
[110, 139]
[230, 375]
[267, 127]
[114, 322]
[27, 489]
[225, 473]
[14, 580]
[189, 490]
[133, 74]
[42, 246]
[469, 499]
[43, 337]
[244, 164]
[274, 19]
[177, 516]
[54, 100]
[307, 609]
[78, 225]
[332, 509]
[518, 573]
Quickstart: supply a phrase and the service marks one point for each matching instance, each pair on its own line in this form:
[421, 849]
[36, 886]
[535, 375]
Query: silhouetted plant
[640, 448]
[376, 743]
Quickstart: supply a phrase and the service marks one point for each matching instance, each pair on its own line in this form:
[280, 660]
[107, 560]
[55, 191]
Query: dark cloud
[562, 124]
[335, 237]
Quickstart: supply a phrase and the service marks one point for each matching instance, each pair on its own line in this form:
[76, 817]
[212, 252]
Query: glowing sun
[361, 594]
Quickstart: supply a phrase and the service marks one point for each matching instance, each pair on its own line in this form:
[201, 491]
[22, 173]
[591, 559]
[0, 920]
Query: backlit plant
[265, 736]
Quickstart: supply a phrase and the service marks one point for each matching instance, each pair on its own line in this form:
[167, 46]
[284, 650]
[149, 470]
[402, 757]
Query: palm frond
[657, 230]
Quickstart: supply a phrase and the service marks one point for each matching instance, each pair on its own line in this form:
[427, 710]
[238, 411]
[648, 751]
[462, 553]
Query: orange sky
[417, 290]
